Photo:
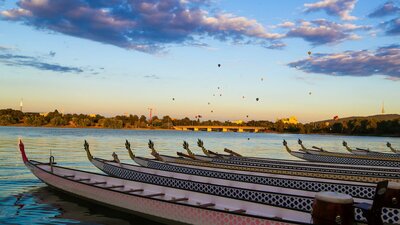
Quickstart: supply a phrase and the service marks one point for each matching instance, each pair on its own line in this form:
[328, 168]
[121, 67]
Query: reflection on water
[24, 199]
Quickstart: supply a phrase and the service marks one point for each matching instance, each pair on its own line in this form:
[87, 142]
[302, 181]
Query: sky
[221, 59]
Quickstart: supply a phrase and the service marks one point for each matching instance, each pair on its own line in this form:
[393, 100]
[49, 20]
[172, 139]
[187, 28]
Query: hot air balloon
[219, 65]
[257, 99]
[309, 53]
[173, 99]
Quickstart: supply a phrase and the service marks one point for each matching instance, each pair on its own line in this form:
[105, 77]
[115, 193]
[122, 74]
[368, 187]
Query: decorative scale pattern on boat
[354, 190]
[385, 155]
[279, 200]
[285, 172]
[355, 156]
[305, 163]
[344, 160]
[285, 201]
[389, 216]
[311, 169]
[176, 212]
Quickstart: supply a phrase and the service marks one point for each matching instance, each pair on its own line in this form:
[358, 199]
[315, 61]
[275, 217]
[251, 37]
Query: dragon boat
[344, 158]
[356, 189]
[362, 151]
[281, 168]
[253, 192]
[159, 202]
[254, 161]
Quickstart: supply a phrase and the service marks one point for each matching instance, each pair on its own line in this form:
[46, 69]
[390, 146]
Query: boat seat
[43, 163]
[97, 183]
[178, 199]
[117, 186]
[239, 211]
[83, 179]
[69, 176]
[373, 212]
[134, 190]
[155, 195]
[206, 205]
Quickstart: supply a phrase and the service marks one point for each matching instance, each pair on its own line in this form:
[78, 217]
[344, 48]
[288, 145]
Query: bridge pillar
[240, 130]
[196, 129]
[209, 129]
[224, 129]
[256, 130]
[184, 128]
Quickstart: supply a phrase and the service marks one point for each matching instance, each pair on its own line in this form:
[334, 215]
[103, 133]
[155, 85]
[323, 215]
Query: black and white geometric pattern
[298, 203]
[344, 160]
[357, 191]
[311, 169]
[304, 163]
[386, 155]
[389, 216]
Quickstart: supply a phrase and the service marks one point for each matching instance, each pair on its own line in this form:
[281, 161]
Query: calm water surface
[25, 200]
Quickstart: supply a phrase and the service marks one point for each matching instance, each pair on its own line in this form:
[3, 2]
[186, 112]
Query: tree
[337, 128]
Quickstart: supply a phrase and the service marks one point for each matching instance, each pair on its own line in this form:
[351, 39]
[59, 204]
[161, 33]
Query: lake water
[26, 200]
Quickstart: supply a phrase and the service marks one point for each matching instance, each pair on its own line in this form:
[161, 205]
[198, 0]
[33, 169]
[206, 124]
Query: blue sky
[123, 56]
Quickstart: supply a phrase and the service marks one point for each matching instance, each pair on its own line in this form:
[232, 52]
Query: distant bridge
[221, 128]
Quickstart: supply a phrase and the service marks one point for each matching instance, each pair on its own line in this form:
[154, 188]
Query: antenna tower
[21, 104]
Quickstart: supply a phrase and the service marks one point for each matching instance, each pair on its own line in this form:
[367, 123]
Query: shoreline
[171, 129]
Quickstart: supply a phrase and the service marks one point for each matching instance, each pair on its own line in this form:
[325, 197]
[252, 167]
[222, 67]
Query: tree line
[56, 119]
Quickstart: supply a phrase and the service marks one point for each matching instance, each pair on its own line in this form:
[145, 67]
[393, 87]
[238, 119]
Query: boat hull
[166, 212]
[345, 160]
[359, 176]
[356, 189]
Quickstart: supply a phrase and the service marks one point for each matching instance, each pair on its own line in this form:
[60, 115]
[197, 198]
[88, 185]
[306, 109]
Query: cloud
[389, 8]
[15, 60]
[142, 25]
[286, 24]
[340, 8]
[392, 26]
[383, 61]
[152, 77]
[276, 45]
[321, 31]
